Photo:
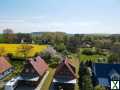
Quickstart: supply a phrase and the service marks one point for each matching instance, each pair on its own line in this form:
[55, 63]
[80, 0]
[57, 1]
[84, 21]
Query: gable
[39, 65]
[64, 71]
[28, 69]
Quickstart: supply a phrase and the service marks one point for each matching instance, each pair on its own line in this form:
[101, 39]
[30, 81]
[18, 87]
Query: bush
[50, 58]
[53, 65]
[60, 47]
[114, 58]
[65, 53]
[101, 52]
[10, 55]
[46, 56]
[54, 61]
[18, 59]
[98, 87]
[88, 52]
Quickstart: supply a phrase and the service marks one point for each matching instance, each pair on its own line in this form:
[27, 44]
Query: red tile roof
[39, 65]
[4, 64]
[70, 67]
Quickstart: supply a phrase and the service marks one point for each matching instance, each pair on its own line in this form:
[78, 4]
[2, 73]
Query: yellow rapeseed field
[13, 49]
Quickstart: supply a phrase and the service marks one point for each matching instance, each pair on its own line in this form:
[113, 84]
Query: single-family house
[5, 67]
[103, 74]
[33, 71]
[65, 76]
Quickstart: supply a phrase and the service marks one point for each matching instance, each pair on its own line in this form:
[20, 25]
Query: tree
[46, 55]
[53, 37]
[24, 49]
[103, 44]
[89, 52]
[27, 38]
[115, 48]
[60, 47]
[9, 36]
[85, 81]
[73, 44]
[65, 53]
[55, 61]
[114, 58]
[87, 38]
[51, 56]
[2, 38]
[8, 31]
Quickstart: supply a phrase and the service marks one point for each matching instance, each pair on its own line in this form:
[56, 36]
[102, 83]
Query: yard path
[42, 81]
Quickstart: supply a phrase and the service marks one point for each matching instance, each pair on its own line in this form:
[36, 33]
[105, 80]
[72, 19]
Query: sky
[71, 16]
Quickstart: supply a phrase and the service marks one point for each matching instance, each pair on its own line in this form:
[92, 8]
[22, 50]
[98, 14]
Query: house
[33, 71]
[86, 44]
[103, 74]
[65, 76]
[5, 67]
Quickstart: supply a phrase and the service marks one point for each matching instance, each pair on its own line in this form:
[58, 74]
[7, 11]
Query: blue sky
[71, 16]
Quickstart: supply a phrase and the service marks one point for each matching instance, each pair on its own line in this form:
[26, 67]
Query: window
[115, 76]
[27, 70]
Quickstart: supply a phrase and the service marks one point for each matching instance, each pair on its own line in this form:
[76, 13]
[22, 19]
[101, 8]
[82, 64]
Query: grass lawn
[93, 58]
[76, 63]
[48, 80]
[13, 49]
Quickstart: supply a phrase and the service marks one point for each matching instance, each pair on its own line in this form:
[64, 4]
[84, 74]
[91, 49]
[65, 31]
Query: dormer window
[114, 75]
[27, 70]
